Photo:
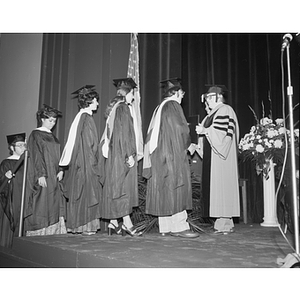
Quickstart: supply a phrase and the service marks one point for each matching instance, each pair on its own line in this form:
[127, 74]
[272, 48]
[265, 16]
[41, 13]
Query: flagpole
[23, 194]
[133, 72]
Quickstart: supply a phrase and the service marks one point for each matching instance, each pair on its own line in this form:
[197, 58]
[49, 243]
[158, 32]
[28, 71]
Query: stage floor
[250, 246]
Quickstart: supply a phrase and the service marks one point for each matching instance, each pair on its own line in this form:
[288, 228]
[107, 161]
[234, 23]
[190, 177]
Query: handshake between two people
[200, 129]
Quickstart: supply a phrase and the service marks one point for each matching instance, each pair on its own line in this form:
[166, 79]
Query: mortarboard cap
[170, 84]
[84, 90]
[124, 83]
[51, 112]
[214, 89]
[13, 138]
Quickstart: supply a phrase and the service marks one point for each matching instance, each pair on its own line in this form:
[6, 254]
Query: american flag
[133, 72]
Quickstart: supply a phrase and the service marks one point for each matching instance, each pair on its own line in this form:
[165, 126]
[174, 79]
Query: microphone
[297, 38]
[287, 38]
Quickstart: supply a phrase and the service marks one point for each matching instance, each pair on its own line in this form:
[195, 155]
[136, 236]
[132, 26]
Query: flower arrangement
[266, 141]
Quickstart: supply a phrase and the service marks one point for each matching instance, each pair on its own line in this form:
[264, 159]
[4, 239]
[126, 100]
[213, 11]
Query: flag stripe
[133, 72]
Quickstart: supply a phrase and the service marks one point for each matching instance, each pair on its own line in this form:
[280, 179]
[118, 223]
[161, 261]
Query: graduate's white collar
[68, 150]
[42, 128]
[14, 156]
[86, 110]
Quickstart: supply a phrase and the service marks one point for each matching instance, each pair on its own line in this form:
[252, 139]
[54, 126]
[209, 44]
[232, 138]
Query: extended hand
[192, 148]
[9, 174]
[200, 129]
[42, 182]
[60, 175]
[130, 161]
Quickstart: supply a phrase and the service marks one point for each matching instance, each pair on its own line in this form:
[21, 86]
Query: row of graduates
[98, 179]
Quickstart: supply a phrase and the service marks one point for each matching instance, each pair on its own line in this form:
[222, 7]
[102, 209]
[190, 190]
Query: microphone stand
[293, 159]
[293, 163]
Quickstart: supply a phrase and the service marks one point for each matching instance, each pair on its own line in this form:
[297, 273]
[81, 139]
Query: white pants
[174, 223]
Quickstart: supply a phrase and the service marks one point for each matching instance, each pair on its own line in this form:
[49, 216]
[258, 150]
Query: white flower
[282, 130]
[278, 144]
[259, 149]
[271, 133]
[246, 137]
[265, 121]
[246, 147]
[296, 132]
[279, 121]
[268, 144]
[252, 129]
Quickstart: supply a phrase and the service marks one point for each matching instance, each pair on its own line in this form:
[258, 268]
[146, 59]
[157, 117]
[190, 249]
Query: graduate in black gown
[44, 202]
[166, 166]
[10, 198]
[80, 158]
[119, 160]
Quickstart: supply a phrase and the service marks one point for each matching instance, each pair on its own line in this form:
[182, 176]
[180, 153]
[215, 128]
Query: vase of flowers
[266, 141]
[266, 145]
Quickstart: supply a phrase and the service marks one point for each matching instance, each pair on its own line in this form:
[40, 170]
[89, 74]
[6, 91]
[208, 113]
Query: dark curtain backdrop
[249, 64]
[160, 58]
[72, 60]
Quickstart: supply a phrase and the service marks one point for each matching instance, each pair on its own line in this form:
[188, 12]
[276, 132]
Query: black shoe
[224, 231]
[185, 234]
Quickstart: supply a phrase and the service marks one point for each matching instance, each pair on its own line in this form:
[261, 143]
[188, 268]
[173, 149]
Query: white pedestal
[270, 206]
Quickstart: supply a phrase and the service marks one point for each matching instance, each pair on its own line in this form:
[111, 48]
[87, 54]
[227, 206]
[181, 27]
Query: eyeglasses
[21, 145]
[209, 97]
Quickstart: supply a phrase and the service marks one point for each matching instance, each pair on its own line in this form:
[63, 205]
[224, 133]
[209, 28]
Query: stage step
[250, 246]
[9, 260]
[27, 252]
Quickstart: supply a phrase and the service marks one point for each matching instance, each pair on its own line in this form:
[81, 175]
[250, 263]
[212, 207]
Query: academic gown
[120, 183]
[220, 189]
[10, 199]
[81, 180]
[169, 189]
[43, 205]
